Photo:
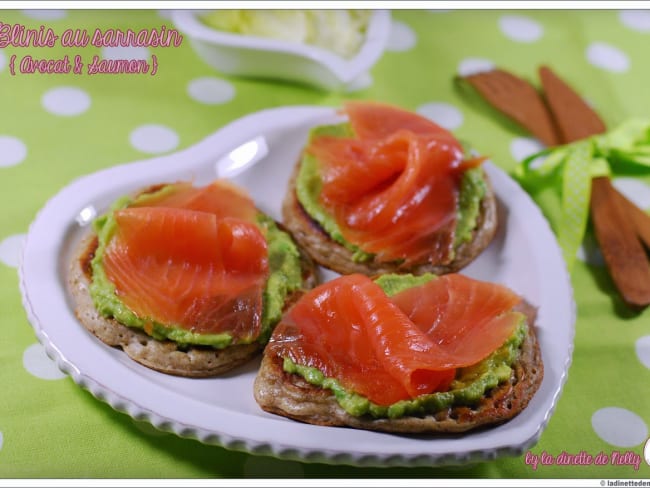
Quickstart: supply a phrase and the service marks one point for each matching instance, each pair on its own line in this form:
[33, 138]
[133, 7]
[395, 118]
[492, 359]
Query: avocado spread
[285, 276]
[469, 386]
[309, 184]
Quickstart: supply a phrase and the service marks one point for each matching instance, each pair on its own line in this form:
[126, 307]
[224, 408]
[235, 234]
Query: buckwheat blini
[389, 191]
[404, 354]
[187, 281]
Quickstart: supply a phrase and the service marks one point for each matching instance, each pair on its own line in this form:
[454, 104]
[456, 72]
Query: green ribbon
[559, 178]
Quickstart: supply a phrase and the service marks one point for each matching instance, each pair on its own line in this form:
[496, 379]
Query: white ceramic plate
[264, 57]
[222, 411]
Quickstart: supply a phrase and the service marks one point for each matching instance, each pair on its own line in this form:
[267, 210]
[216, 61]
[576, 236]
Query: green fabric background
[56, 429]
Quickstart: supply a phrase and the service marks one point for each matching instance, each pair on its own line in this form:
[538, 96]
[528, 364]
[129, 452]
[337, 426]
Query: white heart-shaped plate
[524, 256]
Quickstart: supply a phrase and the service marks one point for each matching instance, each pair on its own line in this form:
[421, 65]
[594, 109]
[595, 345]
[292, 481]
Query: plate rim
[273, 447]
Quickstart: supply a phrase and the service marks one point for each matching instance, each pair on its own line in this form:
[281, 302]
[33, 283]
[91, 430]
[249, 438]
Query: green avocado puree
[469, 386]
[284, 278]
[309, 184]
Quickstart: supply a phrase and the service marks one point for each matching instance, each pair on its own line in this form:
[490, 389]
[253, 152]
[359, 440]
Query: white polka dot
[635, 190]
[44, 14]
[154, 139]
[1, 440]
[3, 60]
[646, 451]
[589, 252]
[638, 20]
[471, 66]
[522, 147]
[442, 114]
[520, 28]
[127, 52]
[607, 57]
[266, 467]
[66, 101]
[37, 363]
[12, 151]
[401, 38]
[165, 14]
[642, 347]
[210, 90]
[619, 427]
[10, 249]
[361, 82]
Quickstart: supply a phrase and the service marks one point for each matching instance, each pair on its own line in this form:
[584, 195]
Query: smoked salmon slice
[396, 348]
[375, 120]
[220, 198]
[467, 317]
[192, 265]
[393, 188]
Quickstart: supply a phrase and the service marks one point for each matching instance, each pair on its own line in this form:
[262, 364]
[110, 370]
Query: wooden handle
[517, 99]
[562, 116]
[624, 255]
[573, 117]
[618, 223]
[640, 219]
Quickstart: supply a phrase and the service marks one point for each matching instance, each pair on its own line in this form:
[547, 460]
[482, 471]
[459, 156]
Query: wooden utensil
[565, 117]
[615, 230]
[519, 100]
[640, 219]
[624, 254]
[574, 119]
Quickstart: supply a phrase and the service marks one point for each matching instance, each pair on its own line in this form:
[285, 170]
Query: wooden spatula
[640, 219]
[574, 119]
[618, 229]
[517, 99]
[564, 117]
[624, 254]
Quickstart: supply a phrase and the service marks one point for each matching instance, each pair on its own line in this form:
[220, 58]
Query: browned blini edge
[311, 237]
[289, 395]
[160, 355]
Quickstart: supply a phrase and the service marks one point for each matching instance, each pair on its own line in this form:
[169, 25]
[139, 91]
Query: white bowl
[242, 55]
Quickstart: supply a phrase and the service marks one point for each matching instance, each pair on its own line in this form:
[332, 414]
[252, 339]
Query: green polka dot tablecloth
[57, 127]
